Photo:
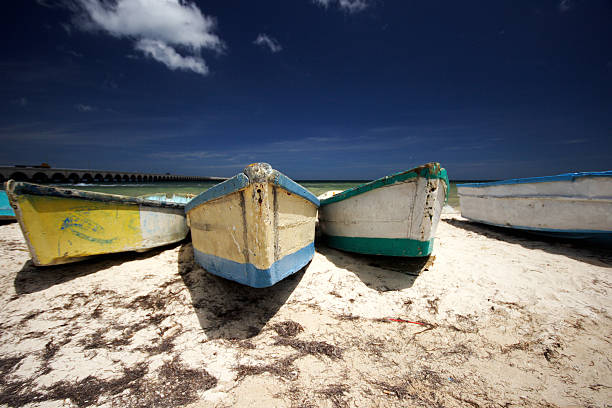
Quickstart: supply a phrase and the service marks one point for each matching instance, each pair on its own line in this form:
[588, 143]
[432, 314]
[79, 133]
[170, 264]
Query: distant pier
[42, 174]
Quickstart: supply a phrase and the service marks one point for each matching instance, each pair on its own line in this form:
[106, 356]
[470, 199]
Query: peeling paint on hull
[62, 228]
[573, 206]
[256, 228]
[394, 216]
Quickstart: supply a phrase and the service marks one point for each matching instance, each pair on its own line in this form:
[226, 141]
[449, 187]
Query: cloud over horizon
[351, 6]
[158, 28]
[264, 40]
[84, 108]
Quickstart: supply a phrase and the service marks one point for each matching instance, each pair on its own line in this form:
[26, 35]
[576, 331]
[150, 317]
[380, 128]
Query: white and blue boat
[256, 228]
[573, 205]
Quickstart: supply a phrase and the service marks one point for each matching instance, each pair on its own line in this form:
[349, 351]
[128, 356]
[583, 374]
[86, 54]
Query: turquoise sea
[134, 189]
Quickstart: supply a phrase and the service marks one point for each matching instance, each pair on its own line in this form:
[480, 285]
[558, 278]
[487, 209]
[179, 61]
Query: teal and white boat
[256, 228]
[6, 211]
[396, 215]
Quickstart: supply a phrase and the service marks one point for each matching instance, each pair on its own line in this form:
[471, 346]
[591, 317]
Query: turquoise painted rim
[429, 171]
[381, 246]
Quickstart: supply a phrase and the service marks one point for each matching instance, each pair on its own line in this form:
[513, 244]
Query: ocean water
[197, 187]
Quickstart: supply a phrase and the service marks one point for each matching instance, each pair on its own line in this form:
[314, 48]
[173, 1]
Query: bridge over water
[40, 174]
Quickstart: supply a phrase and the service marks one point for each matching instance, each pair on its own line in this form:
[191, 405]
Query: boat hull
[62, 226]
[254, 231]
[6, 211]
[576, 205]
[394, 216]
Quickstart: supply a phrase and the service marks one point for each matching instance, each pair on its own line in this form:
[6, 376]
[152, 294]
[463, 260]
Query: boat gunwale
[543, 179]
[241, 181]
[15, 188]
[420, 171]
[604, 199]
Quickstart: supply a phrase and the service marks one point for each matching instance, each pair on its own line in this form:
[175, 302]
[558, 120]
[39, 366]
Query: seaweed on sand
[6, 365]
[87, 391]
[420, 387]
[287, 328]
[12, 391]
[335, 393]
[348, 317]
[51, 348]
[311, 347]
[175, 385]
[282, 368]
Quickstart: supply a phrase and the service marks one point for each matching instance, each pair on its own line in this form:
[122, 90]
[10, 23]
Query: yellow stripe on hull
[257, 225]
[60, 230]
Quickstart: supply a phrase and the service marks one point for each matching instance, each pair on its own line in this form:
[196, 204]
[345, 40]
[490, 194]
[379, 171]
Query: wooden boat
[396, 215]
[6, 211]
[255, 228]
[65, 225]
[573, 205]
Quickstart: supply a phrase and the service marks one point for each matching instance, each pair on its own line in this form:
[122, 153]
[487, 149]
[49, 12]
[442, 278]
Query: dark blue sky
[321, 89]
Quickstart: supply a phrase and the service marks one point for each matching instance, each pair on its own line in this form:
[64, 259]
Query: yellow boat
[65, 225]
[255, 229]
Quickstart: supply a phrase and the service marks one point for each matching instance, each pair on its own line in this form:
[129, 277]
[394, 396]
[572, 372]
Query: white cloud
[352, 6]
[167, 55]
[565, 5]
[157, 27]
[265, 40]
[84, 108]
[45, 3]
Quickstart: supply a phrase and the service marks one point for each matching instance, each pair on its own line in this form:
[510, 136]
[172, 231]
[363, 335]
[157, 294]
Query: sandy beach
[492, 319]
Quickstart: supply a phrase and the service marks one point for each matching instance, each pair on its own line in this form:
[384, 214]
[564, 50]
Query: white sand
[507, 320]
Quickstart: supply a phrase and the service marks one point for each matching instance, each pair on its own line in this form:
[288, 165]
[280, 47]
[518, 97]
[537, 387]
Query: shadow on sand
[227, 309]
[582, 251]
[382, 273]
[32, 278]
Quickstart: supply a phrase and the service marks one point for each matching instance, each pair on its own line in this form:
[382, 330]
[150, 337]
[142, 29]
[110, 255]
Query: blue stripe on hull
[602, 237]
[248, 274]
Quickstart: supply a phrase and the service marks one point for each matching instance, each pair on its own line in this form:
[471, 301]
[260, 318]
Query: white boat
[256, 228]
[573, 205]
[396, 215]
